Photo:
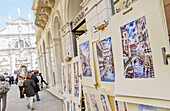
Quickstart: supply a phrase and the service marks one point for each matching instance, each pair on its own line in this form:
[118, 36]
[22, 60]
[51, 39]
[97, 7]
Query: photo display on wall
[119, 5]
[69, 79]
[137, 56]
[121, 106]
[76, 79]
[85, 59]
[103, 99]
[105, 60]
[94, 102]
[68, 106]
[64, 77]
[76, 107]
[87, 102]
[142, 107]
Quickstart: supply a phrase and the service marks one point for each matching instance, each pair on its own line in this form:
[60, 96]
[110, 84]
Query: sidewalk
[47, 101]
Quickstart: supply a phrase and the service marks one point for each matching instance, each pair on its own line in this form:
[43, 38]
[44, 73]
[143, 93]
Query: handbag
[23, 91]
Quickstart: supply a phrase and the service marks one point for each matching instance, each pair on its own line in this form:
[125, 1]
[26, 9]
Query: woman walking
[29, 86]
[20, 85]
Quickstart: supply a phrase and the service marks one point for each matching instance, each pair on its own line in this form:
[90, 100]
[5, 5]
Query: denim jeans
[37, 96]
[3, 97]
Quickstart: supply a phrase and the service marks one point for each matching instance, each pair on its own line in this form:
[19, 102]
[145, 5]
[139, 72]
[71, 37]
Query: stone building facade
[18, 46]
[64, 26]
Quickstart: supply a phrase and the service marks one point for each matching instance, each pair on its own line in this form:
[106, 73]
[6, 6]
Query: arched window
[26, 44]
[21, 43]
[16, 44]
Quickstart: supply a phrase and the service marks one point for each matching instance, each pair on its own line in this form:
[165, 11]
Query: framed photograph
[142, 107]
[85, 52]
[68, 106]
[92, 99]
[64, 77]
[137, 51]
[104, 62]
[75, 107]
[64, 106]
[138, 37]
[121, 106]
[87, 101]
[76, 80]
[69, 78]
[94, 102]
[104, 100]
[119, 5]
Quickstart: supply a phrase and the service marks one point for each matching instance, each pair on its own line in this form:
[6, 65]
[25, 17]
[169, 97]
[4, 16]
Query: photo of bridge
[136, 47]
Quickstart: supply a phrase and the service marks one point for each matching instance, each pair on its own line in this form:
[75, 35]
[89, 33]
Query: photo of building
[69, 79]
[105, 108]
[105, 59]
[64, 77]
[85, 59]
[76, 79]
[137, 56]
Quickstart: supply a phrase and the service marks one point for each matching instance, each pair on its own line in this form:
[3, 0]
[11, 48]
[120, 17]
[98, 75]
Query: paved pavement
[47, 101]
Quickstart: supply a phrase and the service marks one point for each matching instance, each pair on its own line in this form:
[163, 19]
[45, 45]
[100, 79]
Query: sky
[11, 6]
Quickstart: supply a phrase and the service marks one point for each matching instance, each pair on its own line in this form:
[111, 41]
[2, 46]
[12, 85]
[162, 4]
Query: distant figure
[20, 85]
[42, 80]
[4, 88]
[39, 79]
[29, 87]
[16, 80]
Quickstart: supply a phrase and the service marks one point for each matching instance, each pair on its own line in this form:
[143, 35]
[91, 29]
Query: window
[21, 43]
[16, 44]
[26, 44]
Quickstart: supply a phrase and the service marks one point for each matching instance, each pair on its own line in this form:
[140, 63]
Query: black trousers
[20, 90]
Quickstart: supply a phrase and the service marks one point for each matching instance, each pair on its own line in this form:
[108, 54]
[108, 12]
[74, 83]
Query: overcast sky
[11, 6]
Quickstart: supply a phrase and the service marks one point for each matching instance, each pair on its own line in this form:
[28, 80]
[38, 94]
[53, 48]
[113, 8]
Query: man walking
[36, 89]
[4, 88]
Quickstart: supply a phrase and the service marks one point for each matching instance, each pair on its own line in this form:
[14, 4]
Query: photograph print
[88, 103]
[105, 108]
[105, 60]
[68, 106]
[84, 51]
[137, 56]
[76, 107]
[76, 79]
[142, 107]
[69, 79]
[64, 77]
[94, 102]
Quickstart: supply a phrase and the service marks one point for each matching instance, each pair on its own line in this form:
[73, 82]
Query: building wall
[17, 32]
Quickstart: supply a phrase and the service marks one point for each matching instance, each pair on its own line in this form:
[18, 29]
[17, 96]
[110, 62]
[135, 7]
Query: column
[58, 61]
[45, 66]
[48, 53]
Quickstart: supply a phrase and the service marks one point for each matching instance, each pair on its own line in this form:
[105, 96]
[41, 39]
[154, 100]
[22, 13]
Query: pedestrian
[42, 80]
[36, 89]
[16, 80]
[20, 85]
[28, 89]
[39, 79]
[10, 80]
[4, 88]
